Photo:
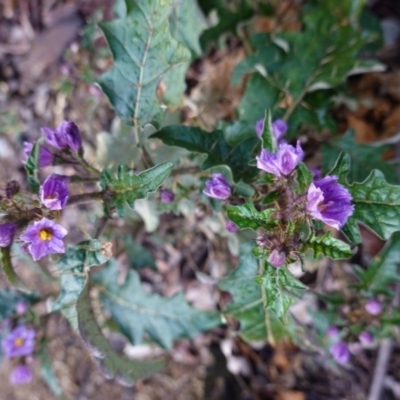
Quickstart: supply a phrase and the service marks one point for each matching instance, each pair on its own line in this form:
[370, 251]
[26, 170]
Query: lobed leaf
[218, 151]
[143, 50]
[327, 246]
[138, 313]
[247, 306]
[246, 216]
[129, 186]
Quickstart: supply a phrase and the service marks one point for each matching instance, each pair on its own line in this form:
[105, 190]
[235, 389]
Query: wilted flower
[366, 337]
[373, 307]
[329, 201]
[340, 352]
[7, 232]
[166, 196]
[54, 192]
[19, 342]
[279, 127]
[20, 375]
[277, 258]
[21, 308]
[281, 163]
[217, 187]
[231, 227]
[45, 155]
[44, 237]
[66, 136]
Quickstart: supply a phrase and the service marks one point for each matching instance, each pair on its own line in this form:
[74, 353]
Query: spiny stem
[85, 197]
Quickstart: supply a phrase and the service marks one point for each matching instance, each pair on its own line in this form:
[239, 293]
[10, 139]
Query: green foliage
[74, 267]
[267, 136]
[383, 270]
[363, 158]
[246, 216]
[143, 50]
[282, 289]
[327, 246]
[138, 256]
[376, 202]
[137, 312]
[113, 365]
[304, 177]
[10, 298]
[128, 186]
[257, 323]
[47, 373]
[218, 151]
[32, 166]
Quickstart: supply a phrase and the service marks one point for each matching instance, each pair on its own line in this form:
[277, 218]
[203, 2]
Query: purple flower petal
[44, 237]
[329, 202]
[20, 375]
[19, 342]
[277, 258]
[166, 196]
[373, 307]
[7, 232]
[366, 337]
[231, 227]
[283, 162]
[217, 187]
[340, 352]
[279, 127]
[54, 192]
[65, 136]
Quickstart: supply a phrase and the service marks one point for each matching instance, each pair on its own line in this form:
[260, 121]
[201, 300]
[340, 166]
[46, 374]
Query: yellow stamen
[45, 234]
[18, 342]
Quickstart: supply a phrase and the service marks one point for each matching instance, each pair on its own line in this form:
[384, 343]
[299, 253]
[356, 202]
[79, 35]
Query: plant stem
[85, 197]
[270, 335]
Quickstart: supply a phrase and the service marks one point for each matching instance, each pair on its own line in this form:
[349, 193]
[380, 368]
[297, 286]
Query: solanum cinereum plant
[257, 179]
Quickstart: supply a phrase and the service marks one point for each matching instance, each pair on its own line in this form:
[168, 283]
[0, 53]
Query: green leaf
[32, 166]
[74, 267]
[143, 50]
[363, 158]
[175, 85]
[129, 186]
[137, 312]
[327, 246]
[304, 177]
[259, 96]
[268, 137]
[215, 146]
[114, 365]
[247, 306]
[186, 25]
[47, 373]
[383, 270]
[8, 268]
[246, 216]
[138, 256]
[229, 16]
[376, 203]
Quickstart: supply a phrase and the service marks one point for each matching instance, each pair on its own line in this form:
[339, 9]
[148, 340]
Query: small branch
[85, 197]
[270, 336]
[101, 224]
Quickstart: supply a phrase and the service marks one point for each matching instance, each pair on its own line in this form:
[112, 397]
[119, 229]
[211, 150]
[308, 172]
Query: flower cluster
[20, 342]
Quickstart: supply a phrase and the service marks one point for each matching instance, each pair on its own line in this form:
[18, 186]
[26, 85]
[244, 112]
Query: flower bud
[12, 188]
[20, 375]
[21, 308]
[340, 352]
[333, 331]
[166, 196]
[218, 187]
[373, 307]
[366, 337]
[277, 258]
[231, 227]
[7, 232]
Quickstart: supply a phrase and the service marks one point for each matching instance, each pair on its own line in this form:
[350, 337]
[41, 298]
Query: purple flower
[217, 187]
[281, 163]
[329, 201]
[340, 352]
[21, 308]
[366, 338]
[277, 258]
[279, 127]
[317, 175]
[66, 136]
[19, 342]
[231, 227]
[166, 196]
[54, 192]
[20, 375]
[333, 331]
[7, 232]
[45, 155]
[44, 237]
[373, 307]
